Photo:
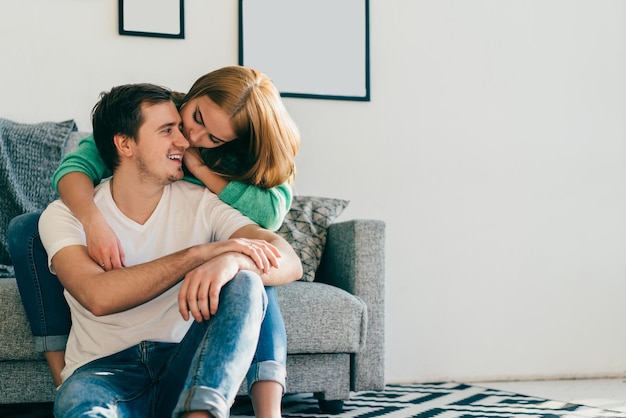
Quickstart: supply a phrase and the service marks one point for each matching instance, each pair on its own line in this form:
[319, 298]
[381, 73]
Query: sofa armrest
[354, 260]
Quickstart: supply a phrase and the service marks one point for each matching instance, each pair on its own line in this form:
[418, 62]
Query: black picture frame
[152, 18]
[317, 49]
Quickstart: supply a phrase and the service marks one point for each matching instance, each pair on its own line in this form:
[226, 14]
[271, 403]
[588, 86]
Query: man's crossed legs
[202, 372]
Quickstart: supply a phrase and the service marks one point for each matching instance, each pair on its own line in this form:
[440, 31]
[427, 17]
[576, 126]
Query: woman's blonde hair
[267, 138]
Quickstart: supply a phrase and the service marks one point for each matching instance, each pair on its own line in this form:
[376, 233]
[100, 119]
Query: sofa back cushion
[305, 227]
[29, 154]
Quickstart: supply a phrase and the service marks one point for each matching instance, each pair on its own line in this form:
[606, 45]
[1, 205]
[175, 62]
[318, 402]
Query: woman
[245, 146]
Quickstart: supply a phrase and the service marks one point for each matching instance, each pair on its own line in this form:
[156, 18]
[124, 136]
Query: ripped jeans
[153, 379]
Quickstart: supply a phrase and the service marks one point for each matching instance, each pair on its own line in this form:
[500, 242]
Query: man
[134, 349]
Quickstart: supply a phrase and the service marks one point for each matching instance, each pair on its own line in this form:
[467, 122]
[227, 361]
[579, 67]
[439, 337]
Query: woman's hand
[212, 181]
[193, 161]
[103, 245]
[77, 190]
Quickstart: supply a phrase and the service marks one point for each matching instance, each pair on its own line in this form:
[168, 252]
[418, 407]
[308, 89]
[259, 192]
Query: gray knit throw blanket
[29, 154]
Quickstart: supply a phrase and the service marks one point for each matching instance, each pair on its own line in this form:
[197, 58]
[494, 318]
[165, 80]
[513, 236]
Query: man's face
[160, 144]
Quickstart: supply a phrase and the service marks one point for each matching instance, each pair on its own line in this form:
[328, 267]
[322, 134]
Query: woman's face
[205, 124]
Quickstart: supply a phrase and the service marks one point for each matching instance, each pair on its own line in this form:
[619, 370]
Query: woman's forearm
[76, 190]
[213, 182]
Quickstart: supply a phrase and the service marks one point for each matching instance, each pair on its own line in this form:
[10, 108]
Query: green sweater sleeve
[267, 207]
[84, 159]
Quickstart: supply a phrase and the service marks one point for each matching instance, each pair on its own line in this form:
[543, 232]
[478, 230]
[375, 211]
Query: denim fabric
[49, 316]
[270, 358]
[41, 292]
[202, 372]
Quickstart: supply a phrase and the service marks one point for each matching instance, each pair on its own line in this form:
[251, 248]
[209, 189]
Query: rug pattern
[437, 400]
[429, 400]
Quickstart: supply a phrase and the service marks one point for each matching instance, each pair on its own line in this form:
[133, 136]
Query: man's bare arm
[290, 264]
[200, 293]
[106, 292]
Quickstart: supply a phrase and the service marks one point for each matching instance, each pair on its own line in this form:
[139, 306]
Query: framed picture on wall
[309, 48]
[155, 18]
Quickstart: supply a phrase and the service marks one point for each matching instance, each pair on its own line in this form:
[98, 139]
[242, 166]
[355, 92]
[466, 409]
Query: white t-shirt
[186, 215]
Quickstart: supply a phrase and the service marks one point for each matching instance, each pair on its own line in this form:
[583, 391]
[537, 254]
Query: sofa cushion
[29, 154]
[305, 227]
[16, 339]
[320, 318]
[73, 140]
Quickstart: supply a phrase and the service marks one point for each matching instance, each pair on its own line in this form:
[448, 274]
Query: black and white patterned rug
[428, 400]
[436, 400]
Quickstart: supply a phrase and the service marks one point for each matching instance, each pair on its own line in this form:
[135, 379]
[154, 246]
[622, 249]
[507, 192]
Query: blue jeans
[49, 316]
[202, 372]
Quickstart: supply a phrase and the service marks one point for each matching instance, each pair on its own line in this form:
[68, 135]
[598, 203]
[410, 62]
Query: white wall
[494, 148]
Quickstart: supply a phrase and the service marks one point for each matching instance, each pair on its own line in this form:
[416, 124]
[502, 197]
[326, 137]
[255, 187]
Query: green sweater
[267, 207]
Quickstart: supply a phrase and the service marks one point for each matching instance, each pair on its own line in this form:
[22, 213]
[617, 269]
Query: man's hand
[200, 291]
[262, 253]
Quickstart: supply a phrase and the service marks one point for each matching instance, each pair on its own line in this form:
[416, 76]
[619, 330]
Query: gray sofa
[335, 324]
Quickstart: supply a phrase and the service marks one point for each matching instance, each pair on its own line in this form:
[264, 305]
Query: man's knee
[83, 398]
[246, 279]
[246, 285]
